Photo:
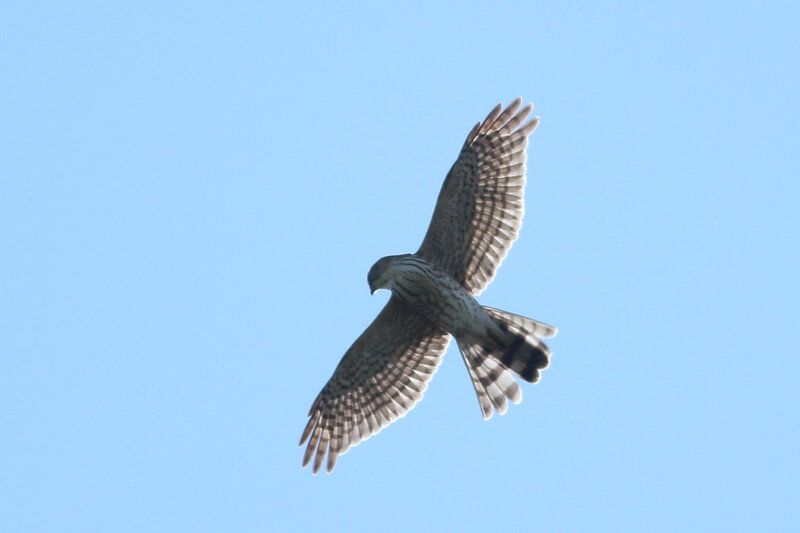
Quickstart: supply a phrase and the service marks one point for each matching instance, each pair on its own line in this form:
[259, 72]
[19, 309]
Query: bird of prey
[477, 218]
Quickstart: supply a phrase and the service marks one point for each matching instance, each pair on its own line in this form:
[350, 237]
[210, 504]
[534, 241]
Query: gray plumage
[476, 220]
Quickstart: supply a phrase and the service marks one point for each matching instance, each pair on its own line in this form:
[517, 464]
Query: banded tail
[490, 362]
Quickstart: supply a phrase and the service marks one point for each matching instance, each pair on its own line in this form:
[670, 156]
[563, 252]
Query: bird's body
[436, 296]
[477, 218]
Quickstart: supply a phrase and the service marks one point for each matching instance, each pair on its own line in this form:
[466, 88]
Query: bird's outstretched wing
[479, 211]
[379, 380]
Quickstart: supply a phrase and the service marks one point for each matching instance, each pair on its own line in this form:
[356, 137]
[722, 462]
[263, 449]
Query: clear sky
[192, 195]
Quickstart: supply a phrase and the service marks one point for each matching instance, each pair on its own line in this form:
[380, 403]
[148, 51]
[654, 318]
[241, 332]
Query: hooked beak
[371, 290]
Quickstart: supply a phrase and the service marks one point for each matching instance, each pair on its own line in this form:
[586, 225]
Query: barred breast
[438, 297]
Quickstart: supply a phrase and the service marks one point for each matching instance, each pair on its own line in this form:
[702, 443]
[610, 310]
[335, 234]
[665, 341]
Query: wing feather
[380, 378]
[480, 207]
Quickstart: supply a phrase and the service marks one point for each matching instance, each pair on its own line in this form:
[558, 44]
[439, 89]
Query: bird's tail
[516, 348]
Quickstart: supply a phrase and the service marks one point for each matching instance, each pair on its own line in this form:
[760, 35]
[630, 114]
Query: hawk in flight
[477, 217]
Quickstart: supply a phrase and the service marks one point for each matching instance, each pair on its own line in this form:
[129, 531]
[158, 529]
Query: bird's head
[380, 275]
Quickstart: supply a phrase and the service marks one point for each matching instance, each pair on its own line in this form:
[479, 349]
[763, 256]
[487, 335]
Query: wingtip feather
[490, 119]
[529, 128]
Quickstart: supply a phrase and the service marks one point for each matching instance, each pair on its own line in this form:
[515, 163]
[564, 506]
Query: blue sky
[192, 194]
